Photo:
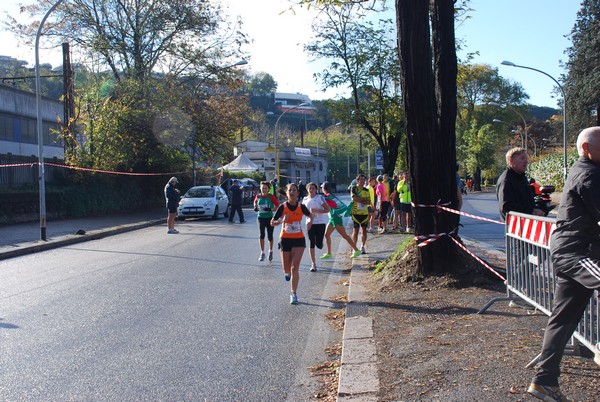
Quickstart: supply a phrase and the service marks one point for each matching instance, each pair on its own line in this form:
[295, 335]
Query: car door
[222, 200]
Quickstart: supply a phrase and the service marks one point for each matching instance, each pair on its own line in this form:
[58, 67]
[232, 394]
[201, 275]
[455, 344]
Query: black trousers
[234, 209]
[570, 301]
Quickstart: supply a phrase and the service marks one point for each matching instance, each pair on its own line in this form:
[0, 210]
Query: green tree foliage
[262, 84]
[134, 38]
[583, 71]
[17, 73]
[363, 57]
[166, 91]
[477, 86]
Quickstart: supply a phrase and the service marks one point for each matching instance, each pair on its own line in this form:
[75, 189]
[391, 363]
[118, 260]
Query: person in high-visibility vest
[404, 190]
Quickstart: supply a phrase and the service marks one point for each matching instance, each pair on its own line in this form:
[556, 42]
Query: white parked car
[200, 201]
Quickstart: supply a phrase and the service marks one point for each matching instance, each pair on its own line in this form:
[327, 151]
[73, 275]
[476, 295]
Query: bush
[548, 171]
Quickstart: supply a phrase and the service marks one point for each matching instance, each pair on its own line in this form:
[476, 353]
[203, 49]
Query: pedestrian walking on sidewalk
[318, 207]
[336, 209]
[291, 242]
[172, 199]
[236, 199]
[361, 200]
[575, 248]
[265, 204]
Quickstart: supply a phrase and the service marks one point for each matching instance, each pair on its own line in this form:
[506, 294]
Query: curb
[359, 378]
[40, 245]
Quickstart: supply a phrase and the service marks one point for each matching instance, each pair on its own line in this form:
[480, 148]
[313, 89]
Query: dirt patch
[433, 346]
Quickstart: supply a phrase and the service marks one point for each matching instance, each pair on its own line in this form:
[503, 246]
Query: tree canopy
[363, 57]
[134, 38]
[583, 68]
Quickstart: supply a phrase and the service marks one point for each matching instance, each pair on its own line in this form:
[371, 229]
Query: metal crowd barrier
[530, 275]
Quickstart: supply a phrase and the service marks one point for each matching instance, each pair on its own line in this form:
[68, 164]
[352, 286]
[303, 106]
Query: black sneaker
[547, 393]
[270, 255]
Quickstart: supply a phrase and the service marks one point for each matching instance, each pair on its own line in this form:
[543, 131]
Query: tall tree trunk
[428, 78]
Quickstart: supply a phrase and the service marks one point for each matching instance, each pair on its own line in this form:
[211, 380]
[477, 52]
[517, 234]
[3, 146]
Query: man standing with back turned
[575, 247]
[513, 190]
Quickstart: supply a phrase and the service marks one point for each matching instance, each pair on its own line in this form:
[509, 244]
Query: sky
[527, 32]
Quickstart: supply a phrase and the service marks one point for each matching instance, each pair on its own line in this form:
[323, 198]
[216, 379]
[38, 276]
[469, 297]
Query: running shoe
[363, 250]
[287, 277]
[313, 268]
[356, 253]
[326, 256]
[270, 255]
[172, 231]
[547, 393]
[262, 257]
[293, 298]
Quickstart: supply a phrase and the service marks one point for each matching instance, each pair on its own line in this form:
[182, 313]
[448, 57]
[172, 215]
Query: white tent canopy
[241, 164]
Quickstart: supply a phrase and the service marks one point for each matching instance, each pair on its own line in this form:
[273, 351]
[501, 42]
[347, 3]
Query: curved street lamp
[523, 137]
[511, 64]
[275, 141]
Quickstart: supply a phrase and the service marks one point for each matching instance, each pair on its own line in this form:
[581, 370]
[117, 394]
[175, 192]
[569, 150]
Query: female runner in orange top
[291, 240]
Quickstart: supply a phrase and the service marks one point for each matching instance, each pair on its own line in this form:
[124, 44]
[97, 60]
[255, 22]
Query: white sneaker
[262, 257]
[313, 268]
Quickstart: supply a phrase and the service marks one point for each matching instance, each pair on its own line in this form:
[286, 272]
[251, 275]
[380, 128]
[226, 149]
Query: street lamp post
[523, 137]
[40, 134]
[512, 131]
[318, 153]
[511, 64]
[275, 141]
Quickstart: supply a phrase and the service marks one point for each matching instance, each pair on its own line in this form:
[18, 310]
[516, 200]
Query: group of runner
[324, 214]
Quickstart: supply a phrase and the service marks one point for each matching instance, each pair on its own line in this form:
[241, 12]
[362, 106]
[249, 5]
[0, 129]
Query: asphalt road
[149, 316]
[482, 205]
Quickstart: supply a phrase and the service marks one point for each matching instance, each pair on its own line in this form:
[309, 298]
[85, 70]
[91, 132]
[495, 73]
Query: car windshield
[200, 193]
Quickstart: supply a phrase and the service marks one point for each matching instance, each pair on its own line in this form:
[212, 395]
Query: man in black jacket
[236, 199]
[575, 247]
[513, 190]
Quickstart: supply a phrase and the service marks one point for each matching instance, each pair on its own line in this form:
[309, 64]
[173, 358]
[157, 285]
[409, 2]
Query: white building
[306, 164]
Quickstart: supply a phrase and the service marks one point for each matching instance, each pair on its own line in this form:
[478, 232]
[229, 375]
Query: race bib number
[361, 207]
[294, 227]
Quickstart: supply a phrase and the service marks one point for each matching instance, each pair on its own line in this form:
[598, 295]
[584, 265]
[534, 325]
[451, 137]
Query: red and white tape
[454, 211]
[486, 265]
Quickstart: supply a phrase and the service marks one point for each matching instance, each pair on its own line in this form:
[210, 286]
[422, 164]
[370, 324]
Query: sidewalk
[359, 378]
[25, 238]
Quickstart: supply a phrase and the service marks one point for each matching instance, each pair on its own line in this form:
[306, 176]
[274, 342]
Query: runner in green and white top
[265, 204]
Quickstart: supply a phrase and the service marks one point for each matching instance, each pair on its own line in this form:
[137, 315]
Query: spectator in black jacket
[575, 247]
[172, 198]
[513, 190]
[236, 199]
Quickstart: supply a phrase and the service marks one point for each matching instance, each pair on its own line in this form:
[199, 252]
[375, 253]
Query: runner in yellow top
[361, 201]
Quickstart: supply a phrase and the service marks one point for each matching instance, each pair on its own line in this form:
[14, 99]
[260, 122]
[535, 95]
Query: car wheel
[216, 213]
